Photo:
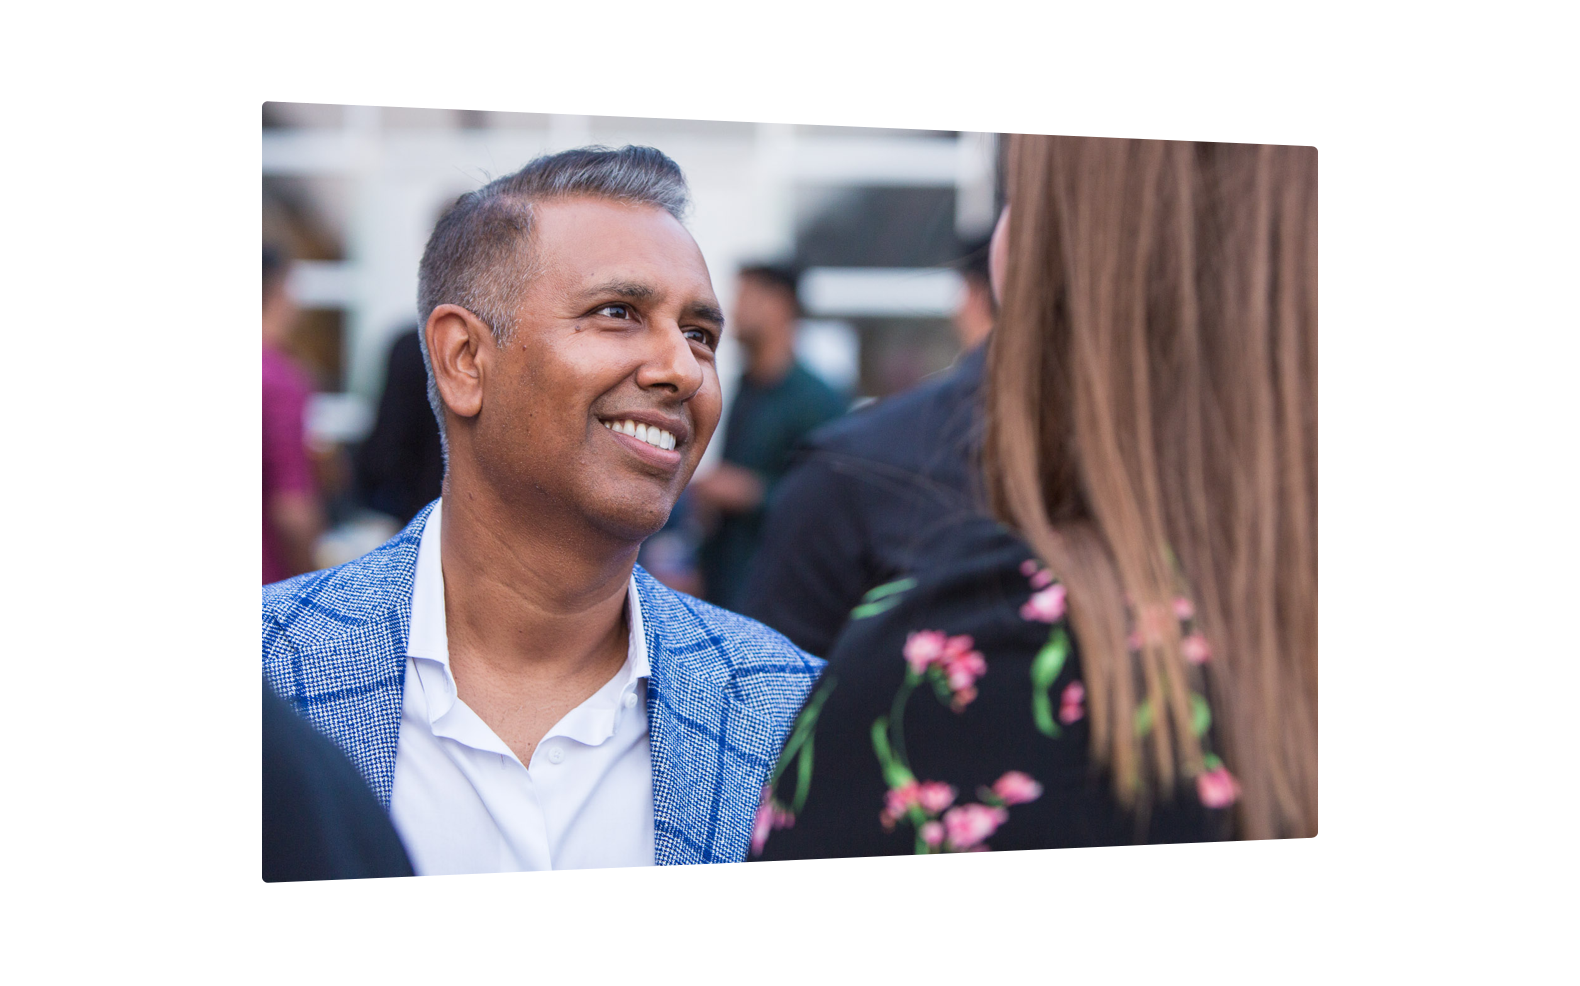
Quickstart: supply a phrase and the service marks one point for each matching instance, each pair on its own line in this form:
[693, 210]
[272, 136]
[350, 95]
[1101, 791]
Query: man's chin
[632, 522]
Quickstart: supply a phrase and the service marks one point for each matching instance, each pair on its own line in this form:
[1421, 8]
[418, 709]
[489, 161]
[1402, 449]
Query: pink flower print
[1072, 704]
[964, 670]
[1046, 605]
[1217, 788]
[764, 823]
[935, 796]
[1183, 608]
[932, 833]
[897, 802]
[962, 666]
[969, 825]
[925, 648]
[1195, 649]
[956, 648]
[1016, 788]
[1040, 577]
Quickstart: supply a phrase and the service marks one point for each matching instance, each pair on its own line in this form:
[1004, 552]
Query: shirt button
[556, 754]
[630, 699]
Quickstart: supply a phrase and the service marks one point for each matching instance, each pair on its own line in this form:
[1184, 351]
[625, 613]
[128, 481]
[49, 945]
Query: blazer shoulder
[327, 602]
[754, 661]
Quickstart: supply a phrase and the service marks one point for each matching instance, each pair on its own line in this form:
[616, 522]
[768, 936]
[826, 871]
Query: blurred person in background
[293, 518]
[976, 310]
[1137, 661]
[516, 690]
[868, 489]
[400, 466]
[670, 556]
[776, 403]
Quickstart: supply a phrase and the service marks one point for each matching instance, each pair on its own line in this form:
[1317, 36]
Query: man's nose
[671, 364]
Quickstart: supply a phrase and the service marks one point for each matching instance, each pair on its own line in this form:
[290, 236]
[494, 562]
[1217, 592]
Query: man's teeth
[651, 434]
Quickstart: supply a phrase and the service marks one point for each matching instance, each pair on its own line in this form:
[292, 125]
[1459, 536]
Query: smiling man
[514, 688]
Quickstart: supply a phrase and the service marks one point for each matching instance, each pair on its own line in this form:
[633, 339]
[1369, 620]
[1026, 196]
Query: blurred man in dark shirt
[867, 489]
[400, 467]
[776, 404]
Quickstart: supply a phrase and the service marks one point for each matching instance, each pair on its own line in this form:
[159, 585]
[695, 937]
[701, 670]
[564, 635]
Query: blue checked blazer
[722, 695]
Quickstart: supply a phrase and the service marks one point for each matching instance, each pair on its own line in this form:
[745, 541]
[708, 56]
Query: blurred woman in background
[1136, 660]
[293, 513]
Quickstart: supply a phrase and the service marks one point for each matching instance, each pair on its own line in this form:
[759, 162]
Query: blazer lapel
[708, 770]
[346, 645]
[354, 687]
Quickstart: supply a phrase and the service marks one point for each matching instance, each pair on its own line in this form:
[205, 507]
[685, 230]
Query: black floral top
[952, 718]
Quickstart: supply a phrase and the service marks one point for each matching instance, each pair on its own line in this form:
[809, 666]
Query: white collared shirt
[464, 803]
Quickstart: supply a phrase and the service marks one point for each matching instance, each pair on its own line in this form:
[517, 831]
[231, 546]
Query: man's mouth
[651, 434]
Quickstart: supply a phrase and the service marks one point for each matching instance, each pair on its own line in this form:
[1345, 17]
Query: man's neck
[527, 600]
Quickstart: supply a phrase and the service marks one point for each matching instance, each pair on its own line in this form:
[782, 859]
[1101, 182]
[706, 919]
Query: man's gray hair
[479, 255]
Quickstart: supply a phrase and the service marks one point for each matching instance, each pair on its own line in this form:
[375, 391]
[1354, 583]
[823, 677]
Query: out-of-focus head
[974, 312]
[766, 305]
[1152, 432]
[562, 306]
[279, 311]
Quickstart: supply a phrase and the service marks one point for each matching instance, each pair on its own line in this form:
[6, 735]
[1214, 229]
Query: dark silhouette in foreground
[320, 821]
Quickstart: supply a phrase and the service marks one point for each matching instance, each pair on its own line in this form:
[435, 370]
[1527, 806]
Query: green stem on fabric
[1143, 718]
[881, 598]
[803, 780]
[897, 718]
[888, 589]
[1200, 715]
[1045, 668]
[940, 683]
[917, 817]
[805, 726]
[894, 774]
[867, 610]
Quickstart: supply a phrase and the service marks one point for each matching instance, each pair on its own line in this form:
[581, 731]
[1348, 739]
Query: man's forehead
[598, 244]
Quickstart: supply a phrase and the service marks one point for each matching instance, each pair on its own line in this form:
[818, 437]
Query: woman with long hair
[1129, 653]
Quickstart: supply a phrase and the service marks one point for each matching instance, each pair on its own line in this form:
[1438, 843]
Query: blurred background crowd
[850, 264]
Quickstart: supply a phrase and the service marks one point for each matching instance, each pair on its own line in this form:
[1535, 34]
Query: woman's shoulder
[977, 578]
[953, 717]
[936, 719]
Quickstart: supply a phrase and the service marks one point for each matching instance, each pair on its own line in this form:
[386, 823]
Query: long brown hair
[1152, 432]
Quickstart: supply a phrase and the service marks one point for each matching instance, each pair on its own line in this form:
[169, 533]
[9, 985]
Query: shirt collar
[428, 639]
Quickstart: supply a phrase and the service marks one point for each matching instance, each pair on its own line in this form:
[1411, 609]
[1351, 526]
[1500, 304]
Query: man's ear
[460, 346]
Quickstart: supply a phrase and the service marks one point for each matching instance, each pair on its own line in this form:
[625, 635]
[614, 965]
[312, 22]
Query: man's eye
[700, 335]
[613, 311]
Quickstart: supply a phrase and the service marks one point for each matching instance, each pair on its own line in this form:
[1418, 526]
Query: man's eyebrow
[622, 289]
[706, 312]
[635, 291]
